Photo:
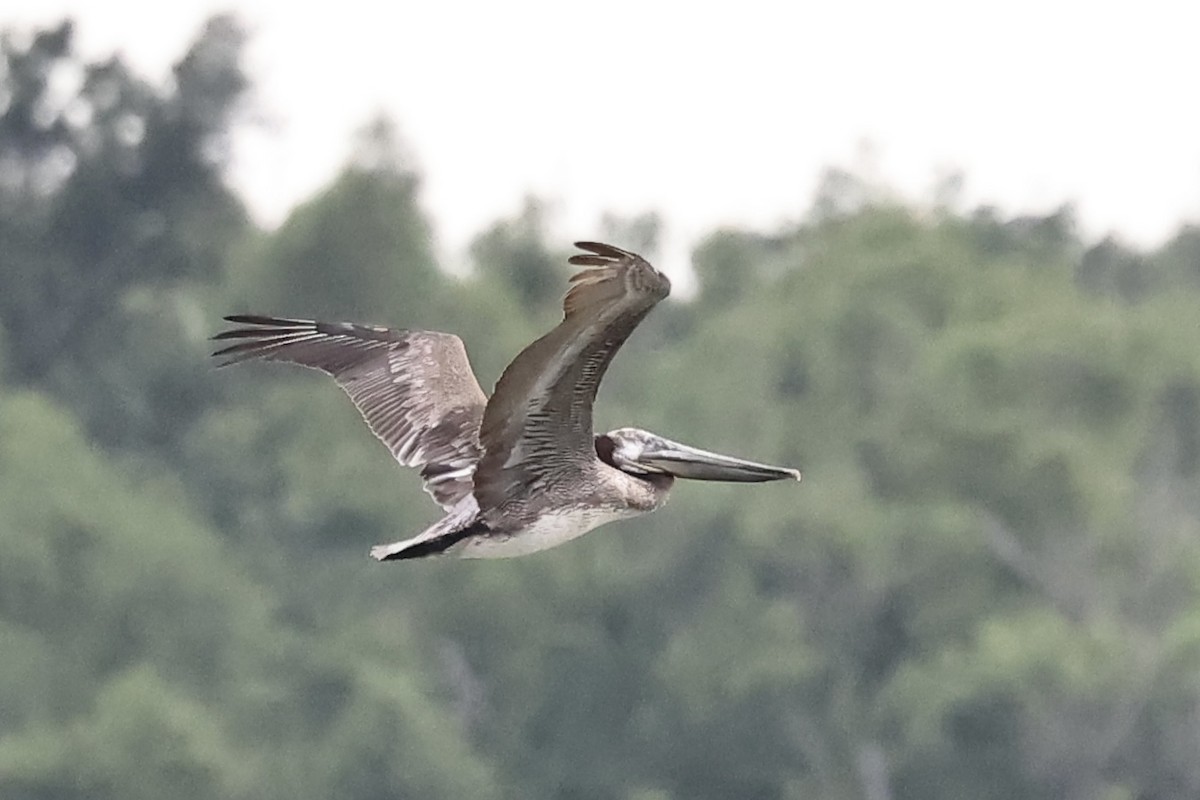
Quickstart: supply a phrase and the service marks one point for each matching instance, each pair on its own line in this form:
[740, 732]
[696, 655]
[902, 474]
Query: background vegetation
[986, 587]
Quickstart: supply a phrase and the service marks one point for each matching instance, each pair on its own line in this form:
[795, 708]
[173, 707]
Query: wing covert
[537, 428]
[415, 389]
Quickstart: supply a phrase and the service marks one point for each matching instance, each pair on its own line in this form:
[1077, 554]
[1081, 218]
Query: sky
[710, 114]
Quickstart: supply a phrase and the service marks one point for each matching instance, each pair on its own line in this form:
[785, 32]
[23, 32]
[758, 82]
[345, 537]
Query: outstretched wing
[537, 428]
[415, 389]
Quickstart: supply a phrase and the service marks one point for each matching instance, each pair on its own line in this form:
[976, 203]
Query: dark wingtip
[235, 353]
[263, 319]
[600, 254]
[264, 326]
[266, 330]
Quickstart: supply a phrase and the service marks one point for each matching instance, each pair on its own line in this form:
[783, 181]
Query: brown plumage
[415, 389]
[538, 425]
[522, 471]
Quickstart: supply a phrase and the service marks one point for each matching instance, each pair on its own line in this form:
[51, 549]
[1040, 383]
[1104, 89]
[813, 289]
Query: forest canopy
[986, 587]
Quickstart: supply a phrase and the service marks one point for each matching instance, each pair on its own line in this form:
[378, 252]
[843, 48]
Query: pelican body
[522, 471]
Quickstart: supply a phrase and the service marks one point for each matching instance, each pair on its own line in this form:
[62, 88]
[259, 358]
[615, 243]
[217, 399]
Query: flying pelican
[523, 471]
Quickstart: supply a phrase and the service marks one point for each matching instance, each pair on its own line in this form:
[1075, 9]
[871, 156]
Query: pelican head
[646, 455]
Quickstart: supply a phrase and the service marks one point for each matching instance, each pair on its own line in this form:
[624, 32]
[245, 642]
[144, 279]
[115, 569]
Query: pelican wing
[537, 428]
[415, 389]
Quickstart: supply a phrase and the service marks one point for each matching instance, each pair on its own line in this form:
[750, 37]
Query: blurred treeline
[986, 587]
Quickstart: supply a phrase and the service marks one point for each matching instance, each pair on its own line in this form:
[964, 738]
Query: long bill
[677, 459]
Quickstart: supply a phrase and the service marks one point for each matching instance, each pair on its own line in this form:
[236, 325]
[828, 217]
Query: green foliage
[728, 265]
[985, 587]
[112, 204]
[361, 248]
[514, 253]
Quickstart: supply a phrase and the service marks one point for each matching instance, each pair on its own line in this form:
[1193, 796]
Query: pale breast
[547, 531]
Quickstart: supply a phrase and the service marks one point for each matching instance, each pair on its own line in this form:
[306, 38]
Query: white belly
[548, 531]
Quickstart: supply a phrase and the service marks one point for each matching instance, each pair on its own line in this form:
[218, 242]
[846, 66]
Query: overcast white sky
[717, 113]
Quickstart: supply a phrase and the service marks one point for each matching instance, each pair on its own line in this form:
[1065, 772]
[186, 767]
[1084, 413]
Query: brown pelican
[523, 471]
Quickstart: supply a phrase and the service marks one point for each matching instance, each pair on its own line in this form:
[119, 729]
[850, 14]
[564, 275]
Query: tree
[361, 250]
[514, 253]
[985, 587]
[119, 205]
